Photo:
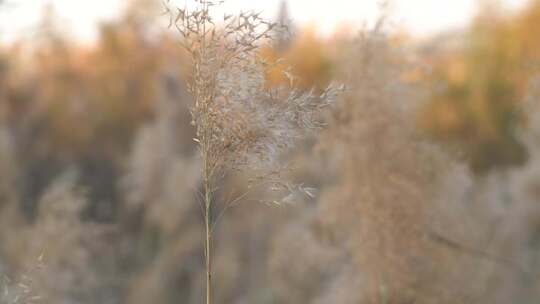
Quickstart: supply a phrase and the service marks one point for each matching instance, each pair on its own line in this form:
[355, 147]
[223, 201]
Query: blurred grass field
[427, 173]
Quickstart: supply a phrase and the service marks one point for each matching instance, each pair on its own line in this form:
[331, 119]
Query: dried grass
[240, 123]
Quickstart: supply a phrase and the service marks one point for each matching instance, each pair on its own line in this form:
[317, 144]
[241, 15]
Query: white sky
[420, 17]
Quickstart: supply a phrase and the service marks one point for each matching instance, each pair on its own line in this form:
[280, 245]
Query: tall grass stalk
[241, 124]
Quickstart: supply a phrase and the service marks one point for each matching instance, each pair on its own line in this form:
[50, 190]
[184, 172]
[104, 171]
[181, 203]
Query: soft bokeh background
[80, 19]
[427, 174]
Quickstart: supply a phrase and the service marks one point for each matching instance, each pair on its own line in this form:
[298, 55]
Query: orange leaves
[484, 79]
[309, 58]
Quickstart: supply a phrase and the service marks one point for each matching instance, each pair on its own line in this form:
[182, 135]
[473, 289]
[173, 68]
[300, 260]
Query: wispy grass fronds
[21, 290]
[240, 123]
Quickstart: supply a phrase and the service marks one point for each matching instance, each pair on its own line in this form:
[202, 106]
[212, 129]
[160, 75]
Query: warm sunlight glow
[420, 17]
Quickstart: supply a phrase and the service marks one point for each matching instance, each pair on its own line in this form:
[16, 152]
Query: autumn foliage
[421, 184]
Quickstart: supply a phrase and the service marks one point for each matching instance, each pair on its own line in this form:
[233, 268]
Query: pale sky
[420, 17]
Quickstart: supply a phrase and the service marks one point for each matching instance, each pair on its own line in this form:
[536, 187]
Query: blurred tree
[68, 105]
[284, 39]
[308, 58]
[301, 51]
[487, 77]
